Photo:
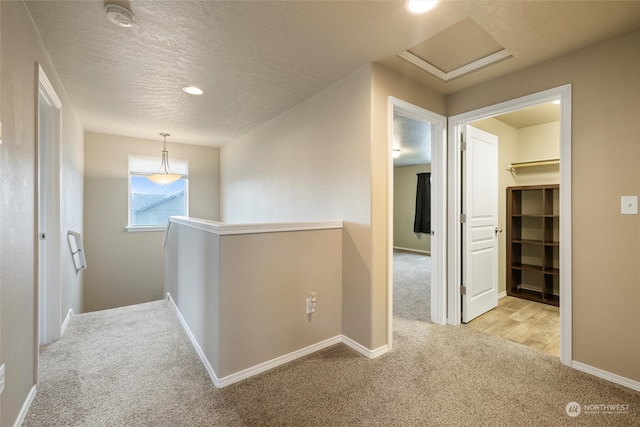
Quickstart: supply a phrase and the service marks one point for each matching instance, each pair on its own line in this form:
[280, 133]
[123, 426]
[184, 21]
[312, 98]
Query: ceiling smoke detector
[121, 16]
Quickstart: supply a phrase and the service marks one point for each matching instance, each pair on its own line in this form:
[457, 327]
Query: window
[150, 204]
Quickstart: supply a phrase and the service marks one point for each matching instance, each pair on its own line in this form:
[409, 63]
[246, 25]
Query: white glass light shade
[164, 178]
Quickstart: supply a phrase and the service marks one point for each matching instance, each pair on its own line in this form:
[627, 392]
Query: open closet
[529, 213]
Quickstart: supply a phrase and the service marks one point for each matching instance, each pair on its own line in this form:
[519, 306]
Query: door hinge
[463, 145]
[463, 218]
[463, 290]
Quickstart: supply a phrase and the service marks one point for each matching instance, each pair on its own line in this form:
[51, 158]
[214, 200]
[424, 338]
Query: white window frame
[178, 166]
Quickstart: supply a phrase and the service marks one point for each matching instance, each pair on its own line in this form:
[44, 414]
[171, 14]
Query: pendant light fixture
[164, 176]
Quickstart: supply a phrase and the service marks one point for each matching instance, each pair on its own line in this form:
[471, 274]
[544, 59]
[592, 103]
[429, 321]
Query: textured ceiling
[413, 137]
[531, 116]
[257, 59]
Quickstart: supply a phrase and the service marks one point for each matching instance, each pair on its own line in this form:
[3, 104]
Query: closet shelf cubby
[533, 248]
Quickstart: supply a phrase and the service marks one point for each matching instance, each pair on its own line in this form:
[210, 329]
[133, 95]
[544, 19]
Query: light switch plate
[629, 205]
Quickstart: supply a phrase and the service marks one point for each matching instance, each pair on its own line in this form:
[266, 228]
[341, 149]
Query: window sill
[143, 228]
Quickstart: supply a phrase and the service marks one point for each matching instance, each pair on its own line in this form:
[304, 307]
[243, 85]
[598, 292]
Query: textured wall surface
[605, 155]
[20, 52]
[244, 296]
[126, 268]
[405, 184]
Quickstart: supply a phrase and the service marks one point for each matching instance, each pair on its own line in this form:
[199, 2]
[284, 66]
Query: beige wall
[243, 317]
[387, 83]
[327, 159]
[277, 292]
[313, 163]
[126, 267]
[404, 209]
[20, 51]
[605, 155]
[539, 142]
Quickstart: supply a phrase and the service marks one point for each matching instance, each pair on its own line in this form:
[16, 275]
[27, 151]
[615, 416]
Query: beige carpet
[134, 366]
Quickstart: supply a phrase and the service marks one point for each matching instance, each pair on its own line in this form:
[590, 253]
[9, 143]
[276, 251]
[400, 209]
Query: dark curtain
[422, 223]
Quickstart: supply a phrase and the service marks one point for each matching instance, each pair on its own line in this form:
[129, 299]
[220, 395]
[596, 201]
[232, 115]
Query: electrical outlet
[311, 303]
[629, 205]
[1, 378]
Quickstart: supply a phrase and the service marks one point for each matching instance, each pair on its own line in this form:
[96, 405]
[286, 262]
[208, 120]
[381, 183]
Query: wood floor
[529, 323]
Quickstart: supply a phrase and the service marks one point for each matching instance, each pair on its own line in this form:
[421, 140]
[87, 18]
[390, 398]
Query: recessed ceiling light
[192, 90]
[420, 6]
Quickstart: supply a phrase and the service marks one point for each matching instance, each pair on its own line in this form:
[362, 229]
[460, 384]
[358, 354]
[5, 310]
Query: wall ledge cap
[224, 229]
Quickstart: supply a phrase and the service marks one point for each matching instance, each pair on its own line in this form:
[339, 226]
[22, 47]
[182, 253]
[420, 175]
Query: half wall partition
[241, 290]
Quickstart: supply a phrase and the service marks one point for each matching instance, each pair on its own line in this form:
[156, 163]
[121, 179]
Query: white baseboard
[66, 322]
[635, 385]
[502, 294]
[420, 251]
[194, 342]
[371, 354]
[25, 407]
[270, 364]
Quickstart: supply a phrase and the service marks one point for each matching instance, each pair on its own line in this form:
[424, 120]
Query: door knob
[498, 230]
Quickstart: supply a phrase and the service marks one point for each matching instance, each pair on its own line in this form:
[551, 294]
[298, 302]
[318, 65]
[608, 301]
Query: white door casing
[49, 226]
[480, 224]
[457, 122]
[438, 210]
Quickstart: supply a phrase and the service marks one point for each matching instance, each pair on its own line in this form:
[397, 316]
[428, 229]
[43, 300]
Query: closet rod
[513, 166]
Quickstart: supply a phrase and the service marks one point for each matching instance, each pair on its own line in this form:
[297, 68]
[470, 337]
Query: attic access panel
[460, 49]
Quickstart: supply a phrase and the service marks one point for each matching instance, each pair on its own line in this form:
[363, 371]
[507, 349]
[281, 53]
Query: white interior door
[480, 227]
[43, 182]
[49, 231]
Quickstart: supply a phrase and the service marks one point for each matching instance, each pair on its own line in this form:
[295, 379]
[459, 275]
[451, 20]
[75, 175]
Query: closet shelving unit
[533, 223]
[512, 167]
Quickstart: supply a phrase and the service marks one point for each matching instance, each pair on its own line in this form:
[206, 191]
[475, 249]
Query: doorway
[455, 255]
[433, 152]
[528, 188]
[48, 212]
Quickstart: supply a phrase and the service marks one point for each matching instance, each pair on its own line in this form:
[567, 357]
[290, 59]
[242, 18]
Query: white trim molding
[460, 71]
[270, 364]
[438, 209]
[417, 251]
[634, 385]
[456, 123]
[371, 354]
[223, 229]
[49, 170]
[66, 321]
[144, 228]
[25, 406]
